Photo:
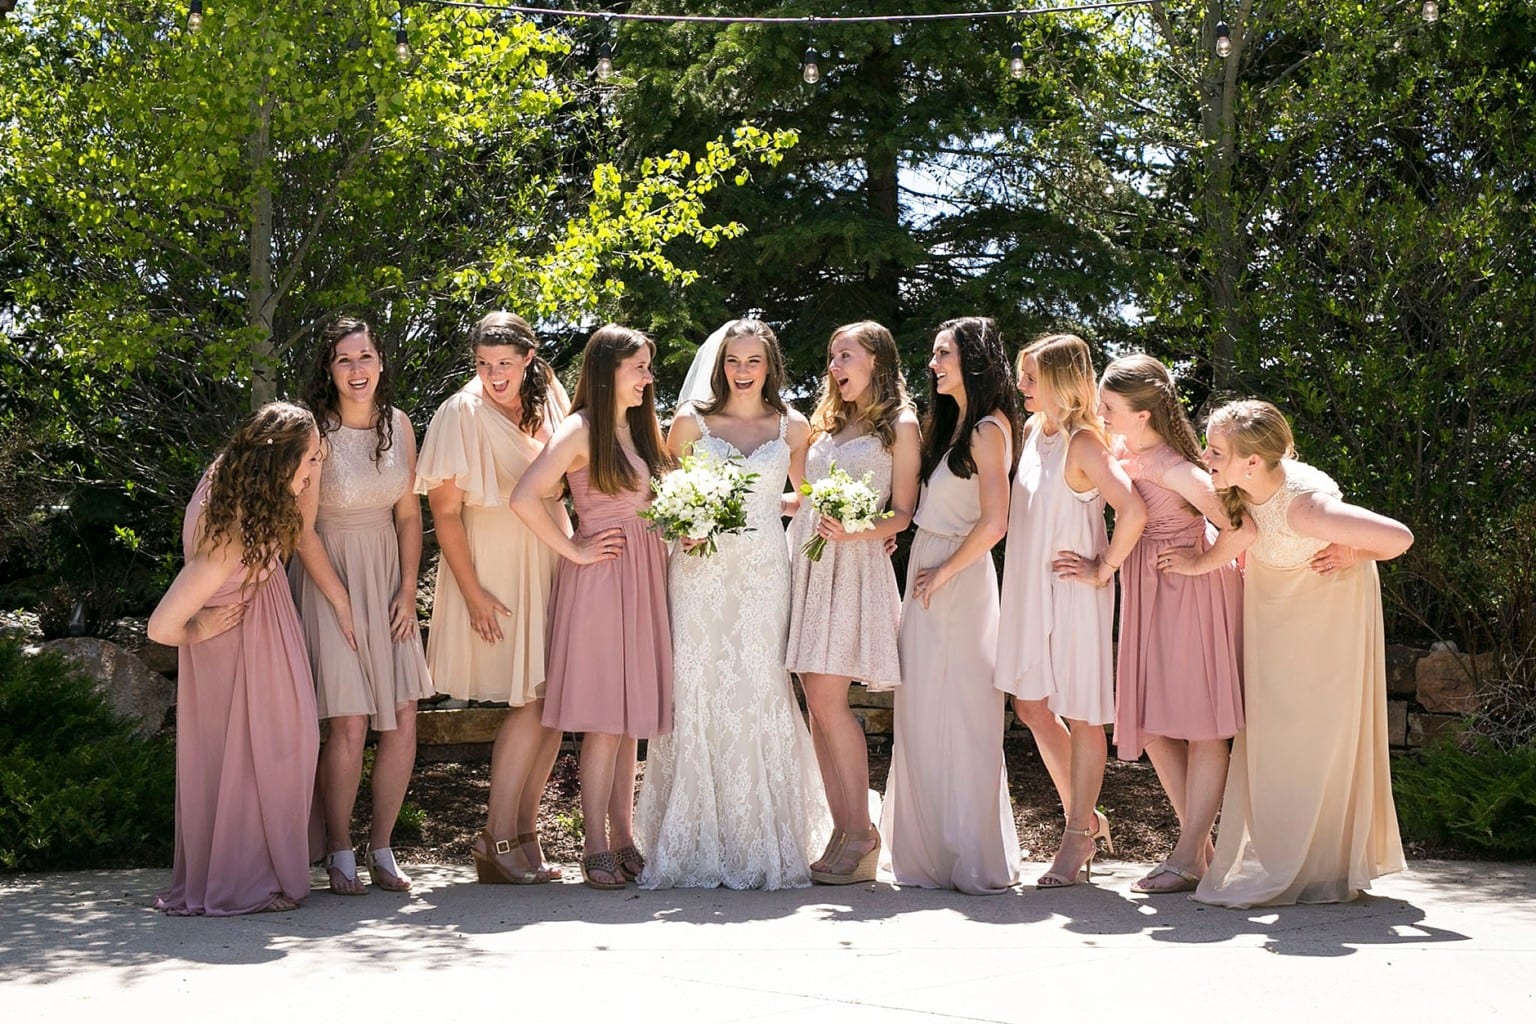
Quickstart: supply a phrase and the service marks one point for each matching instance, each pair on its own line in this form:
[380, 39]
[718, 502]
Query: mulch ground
[450, 798]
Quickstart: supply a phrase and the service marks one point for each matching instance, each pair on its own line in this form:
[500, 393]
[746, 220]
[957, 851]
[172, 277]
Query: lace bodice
[1279, 546]
[860, 455]
[351, 480]
[769, 460]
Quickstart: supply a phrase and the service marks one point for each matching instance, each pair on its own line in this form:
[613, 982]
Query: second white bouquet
[703, 499]
[851, 502]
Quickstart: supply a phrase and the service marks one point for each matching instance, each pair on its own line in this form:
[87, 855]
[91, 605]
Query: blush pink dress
[247, 739]
[356, 526]
[610, 637]
[1179, 672]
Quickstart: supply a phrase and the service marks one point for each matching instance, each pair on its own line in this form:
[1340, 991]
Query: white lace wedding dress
[732, 796]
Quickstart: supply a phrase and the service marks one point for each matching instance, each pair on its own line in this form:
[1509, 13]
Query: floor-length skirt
[247, 739]
[1308, 815]
[948, 822]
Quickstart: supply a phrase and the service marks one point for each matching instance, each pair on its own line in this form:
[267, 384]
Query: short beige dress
[356, 526]
[845, 610]
[484, 454]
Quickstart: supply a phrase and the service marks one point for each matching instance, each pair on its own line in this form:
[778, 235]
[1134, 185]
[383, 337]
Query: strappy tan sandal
[489, 870]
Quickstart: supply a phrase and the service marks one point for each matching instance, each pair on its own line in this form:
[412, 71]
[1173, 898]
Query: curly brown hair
[250, 496]
[320, 393]
[503, 328]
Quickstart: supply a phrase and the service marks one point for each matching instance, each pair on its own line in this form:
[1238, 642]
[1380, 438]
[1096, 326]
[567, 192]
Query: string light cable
[810, 70]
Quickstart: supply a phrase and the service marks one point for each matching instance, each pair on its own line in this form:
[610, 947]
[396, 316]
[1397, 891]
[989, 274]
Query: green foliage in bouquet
[77, 788]
[1475, 797]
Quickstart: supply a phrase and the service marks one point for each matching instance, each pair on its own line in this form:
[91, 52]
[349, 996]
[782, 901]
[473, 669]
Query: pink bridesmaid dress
[247, 739]
[610, 637]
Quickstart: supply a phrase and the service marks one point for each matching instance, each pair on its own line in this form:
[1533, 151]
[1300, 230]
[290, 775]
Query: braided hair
[1147, 386]
[1251, 427]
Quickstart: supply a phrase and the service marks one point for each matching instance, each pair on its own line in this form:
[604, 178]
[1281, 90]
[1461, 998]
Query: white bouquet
[852, 502]
[702, 500]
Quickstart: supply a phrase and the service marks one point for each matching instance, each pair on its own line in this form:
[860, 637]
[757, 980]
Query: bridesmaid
[354, 583]
[948, 822]
[1308, 814]
[609, 637]
[487, 636]
[1178, 691]
[845, 611]
[246, 736]
[1054, 635]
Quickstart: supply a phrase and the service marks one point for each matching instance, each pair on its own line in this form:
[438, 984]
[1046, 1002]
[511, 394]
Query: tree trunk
[1227, 249]
[261, 297]
[881, 167]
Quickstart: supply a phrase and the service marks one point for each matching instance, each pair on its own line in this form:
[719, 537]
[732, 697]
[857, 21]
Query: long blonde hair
[1147, 386]
[1251, 426]
[888, 398]
[1066, 367]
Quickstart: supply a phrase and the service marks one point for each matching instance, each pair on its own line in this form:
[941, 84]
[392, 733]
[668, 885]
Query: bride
[732, 797]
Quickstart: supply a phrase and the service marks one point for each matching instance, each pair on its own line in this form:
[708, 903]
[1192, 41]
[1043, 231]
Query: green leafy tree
[895, 205]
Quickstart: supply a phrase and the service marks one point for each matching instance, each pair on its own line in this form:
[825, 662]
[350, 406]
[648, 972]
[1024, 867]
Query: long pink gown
[247, 739]
[1179, 674]
[610, 637]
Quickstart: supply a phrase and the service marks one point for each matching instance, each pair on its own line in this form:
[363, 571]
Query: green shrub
[77, 788]
[1476, 798]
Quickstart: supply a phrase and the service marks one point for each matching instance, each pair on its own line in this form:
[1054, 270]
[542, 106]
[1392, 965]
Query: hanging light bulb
[605, 60]
[195, 16]
[402, 45]
[1223, 40]
[809, 70]
[1430, 11]
[1016, 60]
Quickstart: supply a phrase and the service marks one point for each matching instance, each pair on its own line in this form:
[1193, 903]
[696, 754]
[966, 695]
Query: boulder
[860, 697]
[1403, 671]
[875, 721]
[1397, 723]
[134, 690]
[1449, 682]
[1424, 729]
[159, 658]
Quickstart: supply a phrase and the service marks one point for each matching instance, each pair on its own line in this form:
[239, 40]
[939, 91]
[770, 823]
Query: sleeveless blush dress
[610, 636]
[247, 740]
[948, 821]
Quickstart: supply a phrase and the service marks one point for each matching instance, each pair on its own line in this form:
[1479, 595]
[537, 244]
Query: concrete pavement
[1449, 942]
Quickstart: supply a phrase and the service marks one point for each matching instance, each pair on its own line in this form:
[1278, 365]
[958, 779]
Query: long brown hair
[320, 394]
[503, 328]
[1251, 427]
[773, 381]
[1147, 386]
[889, 388]
[250, 495]
[1066, 367]
[610, 470]
[989, 388]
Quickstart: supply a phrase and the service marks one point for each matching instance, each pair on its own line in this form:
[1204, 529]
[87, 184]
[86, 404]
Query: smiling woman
[355, 585]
